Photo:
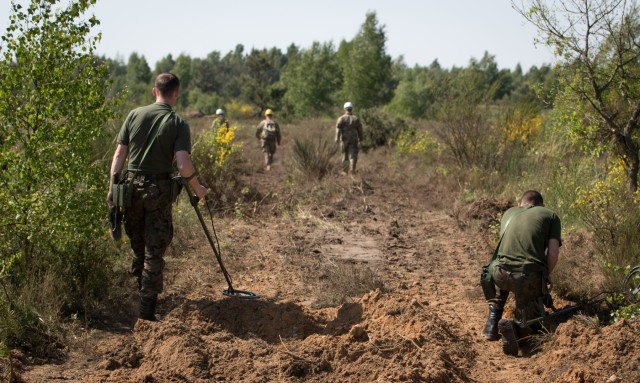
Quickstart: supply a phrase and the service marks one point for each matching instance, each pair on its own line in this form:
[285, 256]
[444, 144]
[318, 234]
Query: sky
[421, 31]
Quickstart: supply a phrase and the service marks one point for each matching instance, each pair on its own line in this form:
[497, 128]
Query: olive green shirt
[171, 137]
[526, 238]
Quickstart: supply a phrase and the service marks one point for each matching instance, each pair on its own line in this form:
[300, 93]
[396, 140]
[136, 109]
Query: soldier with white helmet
[349, 134]
[219, 122]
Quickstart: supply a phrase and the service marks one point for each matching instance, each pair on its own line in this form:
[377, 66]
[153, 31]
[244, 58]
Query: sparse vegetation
[346, 281]
[314, 159]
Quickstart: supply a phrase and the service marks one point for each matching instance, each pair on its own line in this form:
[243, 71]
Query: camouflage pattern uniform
[268, 141]
[148, 222]
[149, 226]
[349, 134]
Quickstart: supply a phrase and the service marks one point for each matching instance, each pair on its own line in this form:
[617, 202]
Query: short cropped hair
[532, 197]
[166, 83]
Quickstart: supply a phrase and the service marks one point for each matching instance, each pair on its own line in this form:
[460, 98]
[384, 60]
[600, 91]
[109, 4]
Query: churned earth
[422, 323]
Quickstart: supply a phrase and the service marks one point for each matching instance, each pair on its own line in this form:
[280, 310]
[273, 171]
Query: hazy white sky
[451, 31]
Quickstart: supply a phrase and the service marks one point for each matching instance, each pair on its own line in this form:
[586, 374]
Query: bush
[314, 158]
[613, 215]
[411, 142]
[379, 128]
[217, 159]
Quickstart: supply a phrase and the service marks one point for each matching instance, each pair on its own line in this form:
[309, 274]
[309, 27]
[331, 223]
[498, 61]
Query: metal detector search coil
[240, 294]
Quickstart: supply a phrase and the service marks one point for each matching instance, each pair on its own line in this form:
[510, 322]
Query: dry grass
[342, 281]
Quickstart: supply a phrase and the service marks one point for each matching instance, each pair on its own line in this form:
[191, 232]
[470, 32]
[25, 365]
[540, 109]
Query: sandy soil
[423, 326]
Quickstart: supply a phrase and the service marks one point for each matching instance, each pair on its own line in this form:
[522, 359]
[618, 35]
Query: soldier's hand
[201, 192]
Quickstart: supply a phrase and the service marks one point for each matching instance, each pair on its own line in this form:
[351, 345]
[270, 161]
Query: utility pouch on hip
[176, 187]
[122, 191]
[486, 281]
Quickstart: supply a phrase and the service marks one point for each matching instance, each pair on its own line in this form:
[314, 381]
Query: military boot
[509, 341]
[148, 308]
[490, 331]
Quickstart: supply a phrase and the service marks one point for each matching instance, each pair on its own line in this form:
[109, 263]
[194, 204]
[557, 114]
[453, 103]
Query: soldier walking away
[268, 132]
[349, 134]
[526, 255]
[151, 137]
[219, 122]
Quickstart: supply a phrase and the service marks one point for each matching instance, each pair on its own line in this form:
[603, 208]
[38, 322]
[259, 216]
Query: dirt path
[423, 326]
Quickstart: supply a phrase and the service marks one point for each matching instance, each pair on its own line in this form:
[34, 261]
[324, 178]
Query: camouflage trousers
[349, 155]
[149, 226]
[269, 149]
[527, 288]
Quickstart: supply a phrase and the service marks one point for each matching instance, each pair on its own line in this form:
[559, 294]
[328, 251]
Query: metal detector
[215, 245]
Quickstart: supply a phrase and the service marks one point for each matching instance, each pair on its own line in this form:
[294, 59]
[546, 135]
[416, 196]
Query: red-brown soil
[423, 326]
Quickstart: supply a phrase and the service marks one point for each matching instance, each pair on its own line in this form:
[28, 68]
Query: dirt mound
[582, 352]
[484, 212]
[381, 337]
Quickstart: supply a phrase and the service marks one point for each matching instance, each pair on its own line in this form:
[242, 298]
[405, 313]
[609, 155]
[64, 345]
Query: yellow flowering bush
[522, 127]
[216, 155]
[240, 111]
[411, 142]
[613, 216]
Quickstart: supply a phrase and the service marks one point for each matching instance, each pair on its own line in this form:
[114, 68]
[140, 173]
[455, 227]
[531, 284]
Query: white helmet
[348, 105]
[219, 112]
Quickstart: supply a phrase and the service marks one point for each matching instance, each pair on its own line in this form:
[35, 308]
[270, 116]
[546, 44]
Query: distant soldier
[268, 131]
[219, 122]
[349, 134]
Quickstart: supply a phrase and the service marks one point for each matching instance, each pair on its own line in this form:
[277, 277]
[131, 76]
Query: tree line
[313, 81]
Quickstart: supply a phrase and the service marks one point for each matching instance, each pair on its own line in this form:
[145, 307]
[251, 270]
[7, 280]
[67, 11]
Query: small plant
[314, 158]
[346, 280]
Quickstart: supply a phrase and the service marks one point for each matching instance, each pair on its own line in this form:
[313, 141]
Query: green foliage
[417, 91]
[626, 305]
[206, 103]
[600, 73]
[311, 79]
[466, 127]
[380, 128]
[613, 216]
[314, 158]
[53, 105]
[138, 79]
[366, 66]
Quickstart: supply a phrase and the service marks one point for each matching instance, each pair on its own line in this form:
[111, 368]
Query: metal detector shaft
[193, 199]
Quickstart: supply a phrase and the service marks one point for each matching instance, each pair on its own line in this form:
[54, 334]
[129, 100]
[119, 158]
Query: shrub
[411, 142]
[379, 128]
[613, 215]
[217, 158]
[314, 158]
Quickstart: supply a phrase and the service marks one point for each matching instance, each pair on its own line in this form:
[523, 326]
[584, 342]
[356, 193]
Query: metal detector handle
[194, 200]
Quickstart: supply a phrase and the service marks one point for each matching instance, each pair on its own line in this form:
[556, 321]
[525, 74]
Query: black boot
[490, 331]
[509, 341]
[148, 308]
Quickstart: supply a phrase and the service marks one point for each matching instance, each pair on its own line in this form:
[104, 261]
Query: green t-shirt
[172, 137]
[524, 244]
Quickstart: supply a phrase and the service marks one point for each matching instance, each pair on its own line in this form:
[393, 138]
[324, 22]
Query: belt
[153, 177]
